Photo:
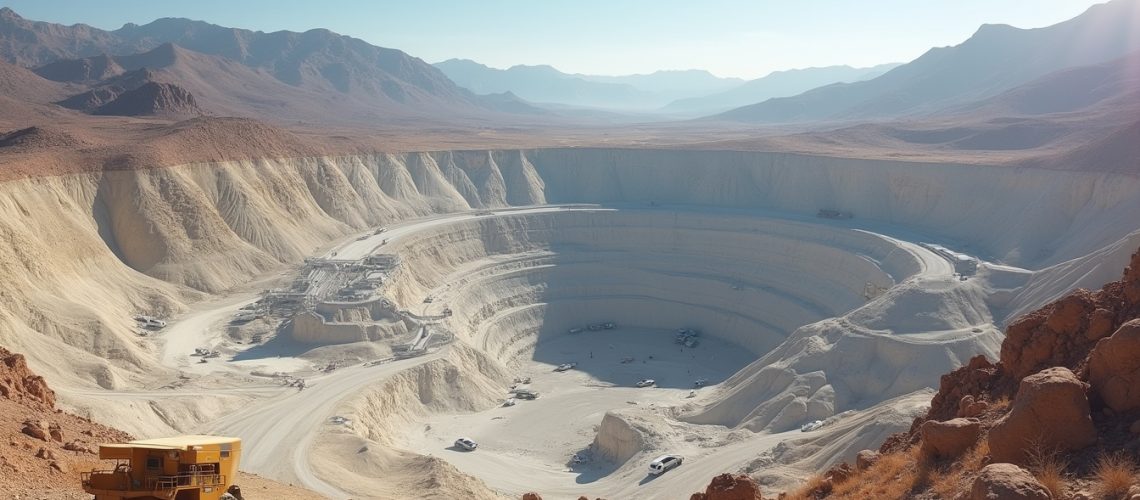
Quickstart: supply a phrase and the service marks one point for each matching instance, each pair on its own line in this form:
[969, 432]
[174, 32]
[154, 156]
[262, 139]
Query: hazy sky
[727, 37]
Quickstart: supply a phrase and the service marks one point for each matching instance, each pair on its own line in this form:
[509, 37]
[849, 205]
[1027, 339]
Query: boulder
[45, 454]
[1007, 482]
[1051, 336]
[975, 410]
[35, 429]
[865, 459]
[966, 401]
[59, 466]
[19, 384]
[1114, 368]
[56, 432]
[729, 487]
[839, 473]
[1050, 411]
[77, 446]
[949, 439]
[531, 496]
[968, 407]
[1100, 324]
[977, 377]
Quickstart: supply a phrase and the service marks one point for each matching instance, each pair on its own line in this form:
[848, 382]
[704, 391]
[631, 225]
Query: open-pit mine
[574, 312]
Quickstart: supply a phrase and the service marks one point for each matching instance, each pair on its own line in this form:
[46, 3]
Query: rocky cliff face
[151, 99]
[1065, 333]
[1062, 396]
[19, 384]
[83, 252]
[45, 448]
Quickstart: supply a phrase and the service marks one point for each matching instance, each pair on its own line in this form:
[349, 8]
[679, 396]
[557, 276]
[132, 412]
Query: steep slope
[316, 59]
[1078, 118]
[152, 99]
[32, 43]
[1058, 402]
[994, 59]
[22, 94]
[777, 84]
[49, 465]
[222, 86]
[315, 68]
[46, 449]
[1111, 84]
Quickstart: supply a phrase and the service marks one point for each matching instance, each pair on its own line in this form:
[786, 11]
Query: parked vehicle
[664, 463]
[573, 331]
[565, 367]
[525, 394]
[609, 325]
[150, 322]
[509, 402]
[811, 426]
[466, 444]
[646, 382]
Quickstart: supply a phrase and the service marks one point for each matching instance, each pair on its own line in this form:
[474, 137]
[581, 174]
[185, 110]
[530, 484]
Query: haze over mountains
[949, 95]
[295, 74]
[545, 84]
[690, 92]
[777, 84]
[995, 59]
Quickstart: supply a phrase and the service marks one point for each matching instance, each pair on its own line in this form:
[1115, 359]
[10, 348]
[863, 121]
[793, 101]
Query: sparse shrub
[807, 491]
[893, 476]
[1049, 467]
[1115, 473]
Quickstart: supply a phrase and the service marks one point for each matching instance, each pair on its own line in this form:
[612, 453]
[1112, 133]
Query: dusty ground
[25, 475]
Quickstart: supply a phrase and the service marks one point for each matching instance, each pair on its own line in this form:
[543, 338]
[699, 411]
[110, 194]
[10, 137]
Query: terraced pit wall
[80, 253]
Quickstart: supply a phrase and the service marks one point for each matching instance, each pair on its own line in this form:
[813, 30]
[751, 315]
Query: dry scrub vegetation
[1115, 473]
[910, 474]
[1050, 468]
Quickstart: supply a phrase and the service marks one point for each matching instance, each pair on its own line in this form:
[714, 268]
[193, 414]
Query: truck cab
[177, 468]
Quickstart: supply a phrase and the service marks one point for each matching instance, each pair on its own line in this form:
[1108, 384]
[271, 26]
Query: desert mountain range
[842, 236]
[995, 59]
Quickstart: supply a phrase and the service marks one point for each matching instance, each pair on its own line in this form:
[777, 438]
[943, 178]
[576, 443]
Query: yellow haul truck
[178, 468]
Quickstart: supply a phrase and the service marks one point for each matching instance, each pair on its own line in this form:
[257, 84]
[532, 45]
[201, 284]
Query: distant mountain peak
[152, 98]
[996, 58]
[280, 74]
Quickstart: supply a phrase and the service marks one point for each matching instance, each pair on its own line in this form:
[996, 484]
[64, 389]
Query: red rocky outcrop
[1051, 412]
[1007, 482]
[949, 439]
[1063, 333]
[1114, 368]
[19, 384]
[730, 487]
